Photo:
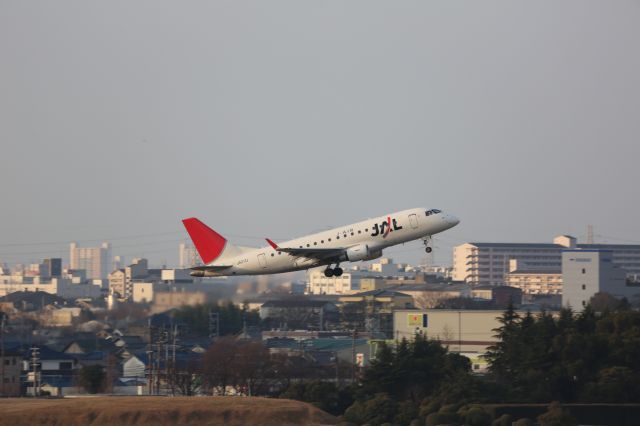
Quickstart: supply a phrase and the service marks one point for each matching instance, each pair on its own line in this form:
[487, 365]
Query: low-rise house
[10, 367]
[324, 351]
[299, 313]
[372, 311]
[429, 295]
[53, 367]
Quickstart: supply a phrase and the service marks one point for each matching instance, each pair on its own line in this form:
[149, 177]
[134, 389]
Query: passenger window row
[315, 243]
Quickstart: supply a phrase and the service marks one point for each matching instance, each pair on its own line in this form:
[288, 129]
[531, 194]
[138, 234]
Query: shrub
[556, 416]
[476, 416]
[503, 420]
[435, 419]
[376, 411]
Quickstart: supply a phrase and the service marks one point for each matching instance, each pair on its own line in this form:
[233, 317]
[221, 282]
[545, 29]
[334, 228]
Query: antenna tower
[589, 234]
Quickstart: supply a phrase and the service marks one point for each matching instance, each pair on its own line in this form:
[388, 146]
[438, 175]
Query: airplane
[351, 243]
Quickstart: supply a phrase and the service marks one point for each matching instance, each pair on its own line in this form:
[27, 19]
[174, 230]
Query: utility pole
[214, 325]
[35, 358]
[150, 360]
[2, 320]
[174, 371]
[353, 356]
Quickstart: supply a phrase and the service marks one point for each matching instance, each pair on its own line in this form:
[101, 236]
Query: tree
[601, 302]
[92, 378]
[324, 395]
[231, 317]
[415, 369]
[375, 411]
[556, 416]
[218, 366]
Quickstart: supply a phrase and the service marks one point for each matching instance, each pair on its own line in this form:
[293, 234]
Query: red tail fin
[207, 241]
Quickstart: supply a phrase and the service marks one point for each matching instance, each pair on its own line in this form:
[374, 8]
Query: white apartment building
[587, 272]
[489, 263]
[96, 261]
[62, 287]
[351, 281]
[534, 281]
[355, 280]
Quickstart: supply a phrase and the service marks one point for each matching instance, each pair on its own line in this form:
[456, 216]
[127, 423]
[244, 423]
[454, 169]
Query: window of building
[272, 255]
[329, 239]
[7, 361]
[315, 243]
[352, 233]
[308, 245]
[584, 287]
[321, 241]
[366, 229]
[66, 365]
[584, 303]
[338, 237]
[584, 270]
[359, 231]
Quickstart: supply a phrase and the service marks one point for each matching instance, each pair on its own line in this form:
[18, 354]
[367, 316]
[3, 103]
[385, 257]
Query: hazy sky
[271, 118]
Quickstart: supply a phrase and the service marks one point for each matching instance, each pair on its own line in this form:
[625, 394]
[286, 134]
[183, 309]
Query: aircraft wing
[315, 253]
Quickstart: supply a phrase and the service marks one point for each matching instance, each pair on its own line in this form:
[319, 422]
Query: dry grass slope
[160, 411]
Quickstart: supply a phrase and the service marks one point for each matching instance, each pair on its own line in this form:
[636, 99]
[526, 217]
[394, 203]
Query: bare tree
[184, 377]
[218, 366]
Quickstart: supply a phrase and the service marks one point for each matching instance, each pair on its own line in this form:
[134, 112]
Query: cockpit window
[432, 211]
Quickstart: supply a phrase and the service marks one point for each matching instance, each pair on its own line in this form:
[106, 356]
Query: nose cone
[452, 220]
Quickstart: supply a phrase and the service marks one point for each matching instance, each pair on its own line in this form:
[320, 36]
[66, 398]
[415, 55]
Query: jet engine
[362, 252]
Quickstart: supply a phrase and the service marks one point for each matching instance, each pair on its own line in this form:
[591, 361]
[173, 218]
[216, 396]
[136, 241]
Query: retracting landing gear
[426, 240]
[333, 272]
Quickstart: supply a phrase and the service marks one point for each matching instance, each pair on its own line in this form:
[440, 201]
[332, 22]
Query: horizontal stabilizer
[208, 271]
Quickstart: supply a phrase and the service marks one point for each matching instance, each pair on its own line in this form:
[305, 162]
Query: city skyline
[279, 120]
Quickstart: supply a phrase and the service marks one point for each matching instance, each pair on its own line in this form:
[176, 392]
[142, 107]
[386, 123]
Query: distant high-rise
[118, 263]
[188, 256]
[53, 267]
[96, 261]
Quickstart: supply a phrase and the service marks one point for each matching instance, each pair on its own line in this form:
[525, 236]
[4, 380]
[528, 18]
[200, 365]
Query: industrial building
[468, 332]
[587, 272]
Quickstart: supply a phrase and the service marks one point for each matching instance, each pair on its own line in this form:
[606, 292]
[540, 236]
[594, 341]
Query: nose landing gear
[426, 241]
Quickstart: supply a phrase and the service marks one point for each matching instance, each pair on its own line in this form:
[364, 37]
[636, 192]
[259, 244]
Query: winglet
[272, 244]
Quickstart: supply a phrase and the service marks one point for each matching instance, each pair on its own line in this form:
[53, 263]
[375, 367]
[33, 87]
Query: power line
[128, 237]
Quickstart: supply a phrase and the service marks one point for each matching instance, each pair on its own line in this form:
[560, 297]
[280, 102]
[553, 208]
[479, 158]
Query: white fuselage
[407, 225]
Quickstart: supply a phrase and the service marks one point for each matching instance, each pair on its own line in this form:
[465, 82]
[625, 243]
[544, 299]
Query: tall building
[53, 267]
[96, 261]
[188, 256]
[489, 263]
[587, 272]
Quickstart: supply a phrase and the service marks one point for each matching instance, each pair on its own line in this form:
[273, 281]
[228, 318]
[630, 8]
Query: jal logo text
[385, 227]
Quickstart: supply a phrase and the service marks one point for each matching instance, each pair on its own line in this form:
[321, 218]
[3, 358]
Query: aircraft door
[262, 259]
[413, 220]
